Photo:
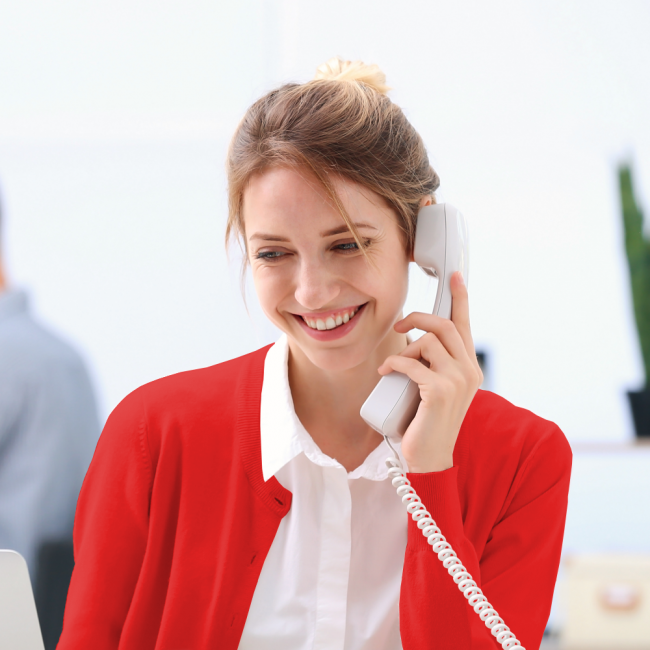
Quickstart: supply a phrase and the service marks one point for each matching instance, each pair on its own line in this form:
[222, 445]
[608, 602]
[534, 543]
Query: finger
[431, 349]
[444, 329]
[460, 312]
[412, 368]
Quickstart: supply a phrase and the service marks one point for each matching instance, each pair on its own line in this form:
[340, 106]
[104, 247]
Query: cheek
[271, 288]
[386, 285]
[394, 289]
[392, 279]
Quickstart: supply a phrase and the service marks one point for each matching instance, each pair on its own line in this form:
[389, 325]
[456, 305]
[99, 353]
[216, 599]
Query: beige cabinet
[606, 600]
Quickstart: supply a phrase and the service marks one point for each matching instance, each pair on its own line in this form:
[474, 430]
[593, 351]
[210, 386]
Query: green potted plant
[637, 248]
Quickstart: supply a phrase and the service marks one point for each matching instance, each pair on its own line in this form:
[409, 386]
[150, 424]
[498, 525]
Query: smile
[334, 320]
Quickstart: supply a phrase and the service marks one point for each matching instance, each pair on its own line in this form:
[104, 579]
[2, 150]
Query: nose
[316, 286]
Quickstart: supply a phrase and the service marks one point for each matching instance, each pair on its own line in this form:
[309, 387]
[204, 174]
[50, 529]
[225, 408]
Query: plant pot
[640, 404]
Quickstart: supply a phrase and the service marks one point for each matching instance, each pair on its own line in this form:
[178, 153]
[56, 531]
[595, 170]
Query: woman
[247, 505]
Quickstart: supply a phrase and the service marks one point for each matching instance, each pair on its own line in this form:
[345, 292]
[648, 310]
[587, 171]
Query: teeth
[330, 323]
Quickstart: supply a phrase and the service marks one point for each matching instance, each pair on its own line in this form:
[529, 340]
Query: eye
[268, 255]
[352, 246]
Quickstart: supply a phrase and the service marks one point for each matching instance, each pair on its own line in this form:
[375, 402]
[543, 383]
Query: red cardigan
[174, 521]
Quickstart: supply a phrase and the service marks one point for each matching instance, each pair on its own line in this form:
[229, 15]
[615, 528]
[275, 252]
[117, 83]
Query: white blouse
[331, 580]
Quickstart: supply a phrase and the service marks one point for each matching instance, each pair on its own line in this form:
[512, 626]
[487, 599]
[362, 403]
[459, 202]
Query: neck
[328, 402]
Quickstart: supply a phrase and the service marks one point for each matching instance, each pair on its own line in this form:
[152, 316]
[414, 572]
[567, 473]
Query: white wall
[114, 122]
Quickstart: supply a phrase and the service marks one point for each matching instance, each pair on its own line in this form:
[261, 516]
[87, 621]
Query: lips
[335, 331]
[331, 320]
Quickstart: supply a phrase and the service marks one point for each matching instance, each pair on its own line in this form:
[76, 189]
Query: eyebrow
[327, 233]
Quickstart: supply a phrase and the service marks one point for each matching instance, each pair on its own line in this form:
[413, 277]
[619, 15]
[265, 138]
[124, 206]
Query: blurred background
[114, 123]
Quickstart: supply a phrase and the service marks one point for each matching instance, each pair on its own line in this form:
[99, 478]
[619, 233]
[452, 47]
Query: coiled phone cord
[447, 555]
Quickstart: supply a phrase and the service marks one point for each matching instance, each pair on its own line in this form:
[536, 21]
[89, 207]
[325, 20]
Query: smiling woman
[309, 269]
[247, 505]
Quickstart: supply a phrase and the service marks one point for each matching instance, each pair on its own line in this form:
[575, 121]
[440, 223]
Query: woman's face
[311, 278]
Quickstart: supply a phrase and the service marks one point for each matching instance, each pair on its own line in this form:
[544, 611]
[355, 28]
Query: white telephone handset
[441, 249]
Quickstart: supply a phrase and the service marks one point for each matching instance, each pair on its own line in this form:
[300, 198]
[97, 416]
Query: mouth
[332, 325]
[333, 320]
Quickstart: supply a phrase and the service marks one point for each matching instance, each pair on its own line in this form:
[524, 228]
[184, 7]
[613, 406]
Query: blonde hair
[341, 123]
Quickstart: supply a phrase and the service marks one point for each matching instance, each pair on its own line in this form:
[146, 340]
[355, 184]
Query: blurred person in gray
[48, 428]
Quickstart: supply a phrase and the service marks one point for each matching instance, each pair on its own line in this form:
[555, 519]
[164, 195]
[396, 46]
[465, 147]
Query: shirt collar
[282, 434]
[12, 303]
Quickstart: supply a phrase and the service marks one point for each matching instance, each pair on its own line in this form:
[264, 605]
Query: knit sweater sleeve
[110, 532]
[517, 566]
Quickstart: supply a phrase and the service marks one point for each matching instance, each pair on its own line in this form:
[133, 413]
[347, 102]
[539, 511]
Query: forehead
[294, 199]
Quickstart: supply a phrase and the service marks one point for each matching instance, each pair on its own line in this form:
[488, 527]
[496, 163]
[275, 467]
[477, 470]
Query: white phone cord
[447, 555]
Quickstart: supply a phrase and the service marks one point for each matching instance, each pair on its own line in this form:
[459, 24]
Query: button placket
[334, 568]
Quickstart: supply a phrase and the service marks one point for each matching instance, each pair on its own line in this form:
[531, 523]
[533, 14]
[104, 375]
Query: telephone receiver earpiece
[441, 249]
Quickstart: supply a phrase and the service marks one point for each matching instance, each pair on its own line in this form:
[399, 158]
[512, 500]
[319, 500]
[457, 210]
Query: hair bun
[337, 69]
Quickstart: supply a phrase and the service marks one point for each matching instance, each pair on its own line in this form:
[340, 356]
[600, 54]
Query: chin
[345, 356]
[335, 361]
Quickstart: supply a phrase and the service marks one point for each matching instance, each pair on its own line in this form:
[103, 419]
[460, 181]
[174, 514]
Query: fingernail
[462, 279]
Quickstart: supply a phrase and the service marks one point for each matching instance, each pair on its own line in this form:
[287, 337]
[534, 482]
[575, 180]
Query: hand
[447, 386]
